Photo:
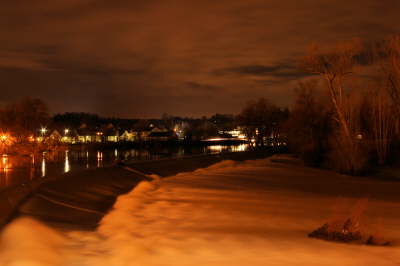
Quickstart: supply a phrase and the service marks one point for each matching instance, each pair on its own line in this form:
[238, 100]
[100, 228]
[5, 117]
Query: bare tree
[334, 67]
[393, 69]
[381, 121]
[389, 57]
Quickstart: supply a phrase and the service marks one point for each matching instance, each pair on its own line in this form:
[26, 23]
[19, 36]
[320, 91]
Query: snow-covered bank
[252, 213]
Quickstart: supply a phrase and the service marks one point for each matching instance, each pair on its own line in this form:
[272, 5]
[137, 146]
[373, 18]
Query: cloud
[174, 53]
[276, 71]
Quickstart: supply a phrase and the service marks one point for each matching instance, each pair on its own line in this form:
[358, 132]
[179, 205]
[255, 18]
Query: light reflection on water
[5, 167]
[87, 159]
[66, 163]
[43, 166]
[16, 170]
[227, 148]
[99, 159]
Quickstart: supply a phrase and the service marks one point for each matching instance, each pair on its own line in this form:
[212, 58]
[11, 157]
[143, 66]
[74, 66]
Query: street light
[43, 130]
[5, 141]
[3, 138]
[66, 131]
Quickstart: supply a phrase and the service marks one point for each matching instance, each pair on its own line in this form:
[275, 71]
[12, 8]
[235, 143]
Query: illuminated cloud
[144, 58]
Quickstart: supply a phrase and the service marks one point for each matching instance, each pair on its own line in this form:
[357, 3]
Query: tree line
[348, 116]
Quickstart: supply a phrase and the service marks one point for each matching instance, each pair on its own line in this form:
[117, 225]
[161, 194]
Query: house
[55, 136]
[180, 128]
[110, 133]
[85, 135]
[233, 133]
[128, 135]
[70, 136]
[142, 131]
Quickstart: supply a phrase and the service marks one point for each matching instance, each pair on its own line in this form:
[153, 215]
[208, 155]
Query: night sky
[142, 58]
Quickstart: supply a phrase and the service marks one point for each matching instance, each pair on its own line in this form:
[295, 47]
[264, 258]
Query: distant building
[86, 135]
[70, 136]
[128, 136]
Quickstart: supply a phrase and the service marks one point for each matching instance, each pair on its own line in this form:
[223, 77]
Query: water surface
[16, 170]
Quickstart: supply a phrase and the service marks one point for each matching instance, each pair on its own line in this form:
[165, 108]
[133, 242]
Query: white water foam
[213, 216]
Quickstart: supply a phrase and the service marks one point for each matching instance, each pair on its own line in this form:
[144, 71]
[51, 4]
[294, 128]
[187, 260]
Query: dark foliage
[261, 120]
[346, 233]
[309, 125]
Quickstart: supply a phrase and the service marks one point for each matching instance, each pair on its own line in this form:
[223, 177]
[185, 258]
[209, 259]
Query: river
[16, 170]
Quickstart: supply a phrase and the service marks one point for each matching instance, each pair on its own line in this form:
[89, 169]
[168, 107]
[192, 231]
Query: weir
[79, 200]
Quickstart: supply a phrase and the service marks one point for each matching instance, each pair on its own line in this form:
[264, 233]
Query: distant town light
[66, 131]
[242, 136]
[43, 130]
[215, 139]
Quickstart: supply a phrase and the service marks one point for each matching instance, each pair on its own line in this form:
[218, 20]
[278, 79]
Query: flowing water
[228, 214]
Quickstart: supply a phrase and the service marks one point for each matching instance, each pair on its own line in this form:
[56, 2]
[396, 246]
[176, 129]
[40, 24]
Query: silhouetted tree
[309, 125]
[223, 122]
[25, 117]
[199, 129]
[260, 119]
